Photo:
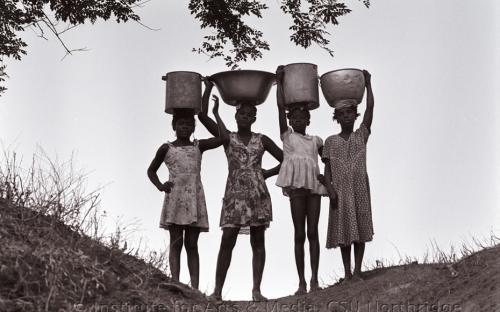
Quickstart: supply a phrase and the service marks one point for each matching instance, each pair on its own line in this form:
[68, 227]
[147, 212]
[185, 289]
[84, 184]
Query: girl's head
[245, 115]
[183, 124]
[299, 117]
[346, 116]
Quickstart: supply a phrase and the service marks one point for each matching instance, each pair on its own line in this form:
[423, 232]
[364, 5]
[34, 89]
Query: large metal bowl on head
[343, 85]
[243, 86]
[300, 85]
[183, 91]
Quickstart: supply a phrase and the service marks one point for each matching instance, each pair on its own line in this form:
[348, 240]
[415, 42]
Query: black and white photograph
[250, 155]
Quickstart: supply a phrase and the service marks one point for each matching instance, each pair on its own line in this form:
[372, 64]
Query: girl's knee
[227, 242]
[312, 234]
[176, 246]
[191, 246]
[300, 237]
[176, 240]
[257, 242]
[258, 247]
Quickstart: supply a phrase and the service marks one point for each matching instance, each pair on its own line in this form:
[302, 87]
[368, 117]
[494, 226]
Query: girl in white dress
[298, 178]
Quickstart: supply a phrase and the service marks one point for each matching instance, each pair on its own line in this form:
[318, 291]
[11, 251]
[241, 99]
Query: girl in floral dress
[344, 154]
[184, 212]
[246, 203]
[298, 177]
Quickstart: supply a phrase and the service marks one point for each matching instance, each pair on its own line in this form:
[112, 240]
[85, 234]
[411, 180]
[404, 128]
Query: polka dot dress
[352, 221]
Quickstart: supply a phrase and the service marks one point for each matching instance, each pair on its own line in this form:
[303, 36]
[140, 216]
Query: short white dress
[185, 204]
[299, 169]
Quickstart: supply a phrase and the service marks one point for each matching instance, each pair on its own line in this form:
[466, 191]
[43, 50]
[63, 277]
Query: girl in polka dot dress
[346, 179]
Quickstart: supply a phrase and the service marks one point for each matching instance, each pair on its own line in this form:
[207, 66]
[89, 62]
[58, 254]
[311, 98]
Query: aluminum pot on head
[243, 86]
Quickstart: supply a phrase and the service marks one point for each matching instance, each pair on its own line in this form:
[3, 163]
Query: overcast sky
[433, 157]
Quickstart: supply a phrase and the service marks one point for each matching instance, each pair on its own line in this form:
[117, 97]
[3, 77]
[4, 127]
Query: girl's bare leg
[193, 258]
[174, 255]
[298, 206]
[229, 236]
[257, 240]
[346, 259]
[359, 250]
[313, 212]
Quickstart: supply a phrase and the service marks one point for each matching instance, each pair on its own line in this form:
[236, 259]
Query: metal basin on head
[343, 85]
[243, 86]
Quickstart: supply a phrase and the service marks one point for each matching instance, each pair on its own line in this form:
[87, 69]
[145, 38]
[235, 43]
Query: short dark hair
[252, 107]
[182, 114]
[298, 108]
[355, 107]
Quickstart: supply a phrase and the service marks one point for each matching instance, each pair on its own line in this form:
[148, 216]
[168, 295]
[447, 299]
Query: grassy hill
[46, 266]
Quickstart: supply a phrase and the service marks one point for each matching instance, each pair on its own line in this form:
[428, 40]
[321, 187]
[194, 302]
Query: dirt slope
[45, 266]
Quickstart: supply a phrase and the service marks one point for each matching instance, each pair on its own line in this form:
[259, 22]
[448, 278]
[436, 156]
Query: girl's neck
[182, 141]
[347, 129]
[244, 131]
[301, 131]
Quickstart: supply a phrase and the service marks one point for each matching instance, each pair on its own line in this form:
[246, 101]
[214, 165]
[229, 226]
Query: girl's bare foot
[314, 286]
[357, 276]
[215, 298]
[302, 289]
[257, 296]
[348, 276]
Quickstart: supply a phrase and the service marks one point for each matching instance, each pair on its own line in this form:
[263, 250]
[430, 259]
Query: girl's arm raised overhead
[277, 153]
[208, 122]
[368, 117]
[222, 138]
[280, 99]
[153, 168]
[223, 132]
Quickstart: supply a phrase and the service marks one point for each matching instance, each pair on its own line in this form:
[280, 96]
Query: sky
[433, 156]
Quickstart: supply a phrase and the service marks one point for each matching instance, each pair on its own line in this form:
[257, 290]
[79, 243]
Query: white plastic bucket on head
[339, 86]
[300, 85]
[183, 91]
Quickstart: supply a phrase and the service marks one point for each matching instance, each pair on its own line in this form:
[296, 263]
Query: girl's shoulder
[162, 150]
[331, 137]
[165, 146]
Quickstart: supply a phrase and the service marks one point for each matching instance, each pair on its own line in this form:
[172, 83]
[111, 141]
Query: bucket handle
[164, 78]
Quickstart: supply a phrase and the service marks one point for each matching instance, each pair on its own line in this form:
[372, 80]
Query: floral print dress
[246, 200]
[185, 204]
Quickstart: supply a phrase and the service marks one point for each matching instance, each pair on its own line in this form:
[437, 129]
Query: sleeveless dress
[352, 221]
[185, 204]
[246, 200]
[299, 169]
